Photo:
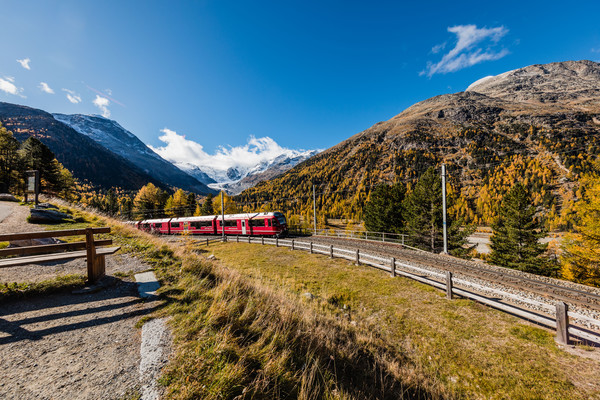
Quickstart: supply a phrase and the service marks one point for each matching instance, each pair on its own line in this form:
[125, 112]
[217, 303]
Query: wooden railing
[30, 253]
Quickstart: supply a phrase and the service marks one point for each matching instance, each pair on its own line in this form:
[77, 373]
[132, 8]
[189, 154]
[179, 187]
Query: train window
[269, 222]
[174, 224]
[200, 224]
[231, 223]
[257, 223]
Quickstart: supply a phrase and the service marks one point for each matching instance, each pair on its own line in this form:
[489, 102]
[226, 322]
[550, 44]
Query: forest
[559, 192]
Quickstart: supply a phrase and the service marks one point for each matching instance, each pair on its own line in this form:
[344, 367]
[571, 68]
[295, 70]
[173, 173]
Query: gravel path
[70, 346]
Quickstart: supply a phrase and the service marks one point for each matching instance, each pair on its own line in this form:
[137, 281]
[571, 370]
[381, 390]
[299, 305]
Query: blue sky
[306, 74]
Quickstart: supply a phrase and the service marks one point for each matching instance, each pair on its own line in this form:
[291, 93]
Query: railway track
[548, 288]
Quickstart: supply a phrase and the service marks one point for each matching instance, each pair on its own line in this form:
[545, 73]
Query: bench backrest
[50, 248]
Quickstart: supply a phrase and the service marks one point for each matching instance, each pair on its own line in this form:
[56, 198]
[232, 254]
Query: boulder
[41, 215]
[7, 197]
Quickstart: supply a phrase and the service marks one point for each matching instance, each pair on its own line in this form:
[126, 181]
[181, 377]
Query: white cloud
[473, 46]
[25, 63]
[7, 85]
[596, 50]
[439, 47]
[72, 96]
[45, 88]
[178, 149]
[102, 103]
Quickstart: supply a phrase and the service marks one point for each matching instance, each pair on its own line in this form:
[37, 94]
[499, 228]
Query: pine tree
[9, 159]
[424, 211]
[515, 242]
[424, 217]
[384, 212]
[581, 249]
[36, 155]
[191, 204]
[207, 206]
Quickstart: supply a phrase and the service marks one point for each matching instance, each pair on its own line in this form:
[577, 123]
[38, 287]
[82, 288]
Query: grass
[455, 348]
[244, 329]
[63, 283]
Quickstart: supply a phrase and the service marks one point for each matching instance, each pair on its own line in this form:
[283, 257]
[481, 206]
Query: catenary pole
[222, 216]
[314, 210]
[445, 225]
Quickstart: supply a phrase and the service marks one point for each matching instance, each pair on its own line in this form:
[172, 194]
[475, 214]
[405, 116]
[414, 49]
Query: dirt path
[69, 346]
[72, 346]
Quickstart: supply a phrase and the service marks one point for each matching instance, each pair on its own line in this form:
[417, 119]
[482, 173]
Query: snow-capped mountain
[237, 178]
[114, 137]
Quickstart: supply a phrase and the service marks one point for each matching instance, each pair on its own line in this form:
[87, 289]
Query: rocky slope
[550, 113]
[115, 138]
[85, 158]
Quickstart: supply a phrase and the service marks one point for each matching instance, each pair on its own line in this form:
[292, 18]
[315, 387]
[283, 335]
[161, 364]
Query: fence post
[237, 238]
[449, 285]
[276, 242]
[262, 240]
[393, 267]
[357, 257]
[206, 241]
[292, 244]
[311, 249]
[562, 323]
[383, 236]
[402, 239]
[331, 251]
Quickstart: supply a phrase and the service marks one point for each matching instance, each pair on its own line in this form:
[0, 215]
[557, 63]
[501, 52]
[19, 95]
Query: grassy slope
[244, 329]
[464, 349]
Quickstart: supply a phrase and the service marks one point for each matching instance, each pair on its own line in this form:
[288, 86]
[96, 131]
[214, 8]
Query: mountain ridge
[476, 134]
[111, 135]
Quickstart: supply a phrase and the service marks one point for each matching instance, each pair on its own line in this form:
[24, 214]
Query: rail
[557, 315]
[385, 237]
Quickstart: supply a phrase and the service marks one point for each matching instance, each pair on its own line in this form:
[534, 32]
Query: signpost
[32, 181]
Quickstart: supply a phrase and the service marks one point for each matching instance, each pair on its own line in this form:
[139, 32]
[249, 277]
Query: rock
[308, 295]
[46, 206]
[33, 242]
[40, 215]
[212, 257]
[7, 197]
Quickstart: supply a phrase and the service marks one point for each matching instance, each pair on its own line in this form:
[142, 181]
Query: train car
[252, 224]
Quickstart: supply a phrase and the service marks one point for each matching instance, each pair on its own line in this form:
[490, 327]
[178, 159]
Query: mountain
[84, 157]
[540, 124]
[117, 139]
[239, 177]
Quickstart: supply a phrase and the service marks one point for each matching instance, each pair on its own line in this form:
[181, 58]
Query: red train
[257, 224]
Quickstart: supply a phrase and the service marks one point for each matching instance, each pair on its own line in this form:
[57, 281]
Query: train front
[281, 224]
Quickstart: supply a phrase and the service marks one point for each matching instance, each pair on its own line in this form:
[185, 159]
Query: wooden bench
[41, 253]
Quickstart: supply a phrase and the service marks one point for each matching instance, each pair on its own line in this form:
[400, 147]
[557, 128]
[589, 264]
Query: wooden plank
[44, 258]
[103, 251]
[50, 248]
[12, 262]
[7, 237]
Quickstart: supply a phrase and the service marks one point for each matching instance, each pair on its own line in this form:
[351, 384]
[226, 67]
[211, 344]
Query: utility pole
[445, 225]
[314, 210]
[223, 216]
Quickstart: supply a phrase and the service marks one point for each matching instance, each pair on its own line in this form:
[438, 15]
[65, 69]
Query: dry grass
[449, 348]
[244, 329]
